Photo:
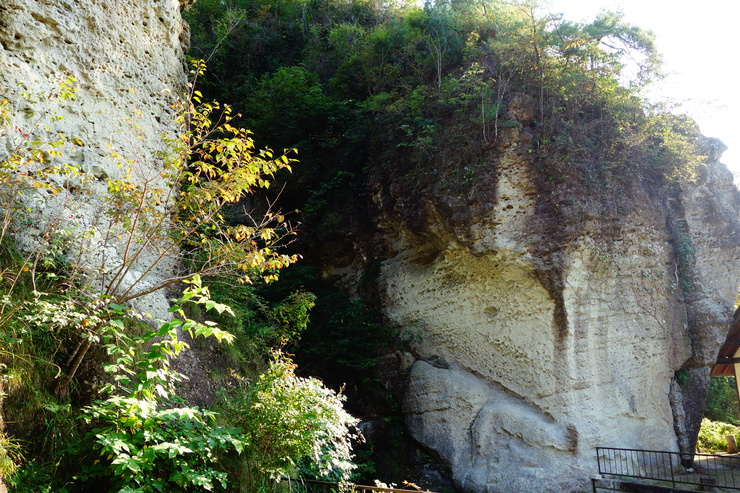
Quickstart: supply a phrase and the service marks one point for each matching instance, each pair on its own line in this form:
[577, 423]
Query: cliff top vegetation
[369, 88]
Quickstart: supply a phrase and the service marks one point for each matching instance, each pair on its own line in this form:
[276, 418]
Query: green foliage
[10, 456]
[34, 478]
[681, 376]
[292, 104]
[291, 316]
[429, 86]
[722, 402]
[146, 438]
[345, 333]
[712, 436]
[671, 146]
[293, 426]
[55, 312]
[259, 324]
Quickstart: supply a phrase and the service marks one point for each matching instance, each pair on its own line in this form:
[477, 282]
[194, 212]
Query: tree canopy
[354, 84]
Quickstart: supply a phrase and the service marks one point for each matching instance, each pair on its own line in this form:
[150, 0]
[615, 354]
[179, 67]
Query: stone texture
[545, 327]
[128, 62]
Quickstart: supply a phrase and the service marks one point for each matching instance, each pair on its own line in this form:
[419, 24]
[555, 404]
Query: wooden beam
[727, 360]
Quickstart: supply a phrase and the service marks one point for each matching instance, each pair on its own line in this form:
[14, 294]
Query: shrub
[148, 439]
[712, 435]
[293, 426]
[141, 436]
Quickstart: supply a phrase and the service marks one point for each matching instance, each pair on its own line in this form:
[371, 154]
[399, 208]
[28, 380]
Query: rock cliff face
[547, 324]
[544, 324]
[127, 59]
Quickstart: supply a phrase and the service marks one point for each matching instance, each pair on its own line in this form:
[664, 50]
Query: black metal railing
[670, 467]
[309, 486]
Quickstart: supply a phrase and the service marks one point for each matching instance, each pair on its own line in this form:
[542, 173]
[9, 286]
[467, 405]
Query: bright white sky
[700, 43]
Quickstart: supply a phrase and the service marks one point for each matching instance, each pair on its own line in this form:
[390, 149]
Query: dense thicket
[356, 85]
[95, 396]
[722, 402]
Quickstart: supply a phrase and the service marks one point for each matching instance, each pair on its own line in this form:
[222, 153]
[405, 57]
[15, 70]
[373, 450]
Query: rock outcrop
[128, 64]
[544, 324]
[547, 323]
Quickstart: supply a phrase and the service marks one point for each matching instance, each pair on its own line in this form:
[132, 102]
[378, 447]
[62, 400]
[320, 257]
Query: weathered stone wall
[127, 59]
[544, 326]
[706, 229]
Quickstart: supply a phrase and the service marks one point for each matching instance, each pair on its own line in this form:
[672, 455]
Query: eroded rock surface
[127, 59]
[547, 324]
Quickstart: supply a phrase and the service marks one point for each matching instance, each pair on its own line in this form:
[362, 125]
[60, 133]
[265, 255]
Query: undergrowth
[712, 436]
[71, 426]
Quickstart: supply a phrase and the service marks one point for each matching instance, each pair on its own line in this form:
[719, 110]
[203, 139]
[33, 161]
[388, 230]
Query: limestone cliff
[127, 59]
[547, 321]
